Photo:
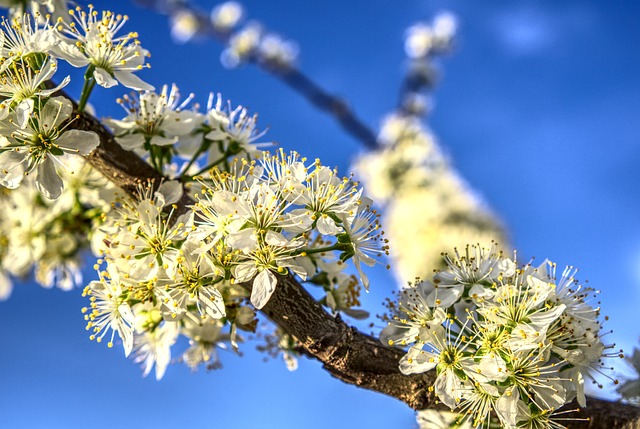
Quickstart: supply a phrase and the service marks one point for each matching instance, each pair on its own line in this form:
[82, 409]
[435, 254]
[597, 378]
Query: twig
[330, 103]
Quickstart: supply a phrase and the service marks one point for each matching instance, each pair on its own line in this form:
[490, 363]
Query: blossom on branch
[516, 341]
[154, 119]
[41, 146]
[91, 39]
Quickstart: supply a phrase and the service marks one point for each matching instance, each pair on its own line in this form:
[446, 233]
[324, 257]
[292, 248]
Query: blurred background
[538, 109]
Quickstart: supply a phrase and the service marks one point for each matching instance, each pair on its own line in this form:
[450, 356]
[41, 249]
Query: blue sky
[538, 108]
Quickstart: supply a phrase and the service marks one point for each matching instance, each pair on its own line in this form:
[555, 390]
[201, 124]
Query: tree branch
[332, 104]
[346, 353]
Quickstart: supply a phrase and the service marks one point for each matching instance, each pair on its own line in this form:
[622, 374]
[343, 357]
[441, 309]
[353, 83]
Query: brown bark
[346, 353]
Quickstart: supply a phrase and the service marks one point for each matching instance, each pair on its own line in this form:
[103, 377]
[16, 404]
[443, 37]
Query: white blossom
[154, 348]
[41, 145]
[109, 310]
[184, 26]
[234, 129]
[226, 16]
[22, 36]
[154, 119]
[276, 52]
[21, 82]
[92, 40]
[365, 238]
[242, 45]
[523, 350]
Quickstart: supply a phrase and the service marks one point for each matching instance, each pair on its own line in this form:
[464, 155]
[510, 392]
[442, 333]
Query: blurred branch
[332, 104]
[424, 43]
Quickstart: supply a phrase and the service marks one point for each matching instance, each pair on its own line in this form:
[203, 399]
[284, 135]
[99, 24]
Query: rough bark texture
[346, 353]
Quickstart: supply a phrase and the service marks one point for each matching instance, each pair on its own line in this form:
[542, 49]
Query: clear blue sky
[539, 109]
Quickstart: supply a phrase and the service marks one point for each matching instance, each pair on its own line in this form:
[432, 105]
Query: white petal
[543, 319]
[416, 362]
[551, 395]
[48, 182]
[71, 54]
[78, 142]
[401, 335]
[6, 286]
[132, 81]
[213, 303]
[189, 144]
[57, 110]
[444, 297]
[12, 168]
[356, 313]
[245, 240]
[5, 109]
[507, 407]
[579, 383]
[297, 269]
[48, 92]
[244, 272]
[363, 277]
[449, 388]
[125, 332]
[480, 293]
[331, 302]
[263, 287]
[492, 366]
[327, 226]
[23, 112]
[171, 190]
[181, 123]
[506, 267]
[131, 141]
[168, 335]
[103, 78]
[275, 238]
[163, 141]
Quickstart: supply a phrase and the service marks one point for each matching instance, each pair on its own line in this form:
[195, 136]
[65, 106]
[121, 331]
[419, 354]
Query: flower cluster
[169, 274]
[424, 42]
[40, 145]
[49, 236]
[165, 270]
[35, 133]
[253, 43]
[246, 43]
[429, 207]
[280, 343]
[156, 285]
[153, 119]
[512, 340]
[263, 218]
[41, 8]
[91, 39]
[425, 39]
[157, 126]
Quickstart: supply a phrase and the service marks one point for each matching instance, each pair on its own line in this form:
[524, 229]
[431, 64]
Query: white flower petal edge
[79, 142]
[263, 287]
[48, 182]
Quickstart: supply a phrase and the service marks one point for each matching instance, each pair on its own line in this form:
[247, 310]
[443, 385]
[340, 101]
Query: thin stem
[153, 156]
[209, 166]
[87, 87]
[337, 246]
[195, 156]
